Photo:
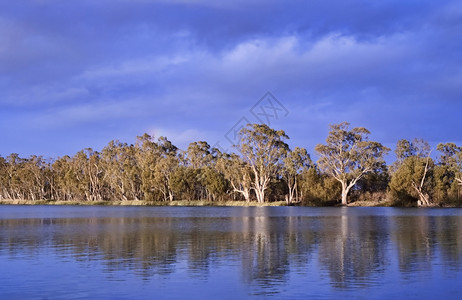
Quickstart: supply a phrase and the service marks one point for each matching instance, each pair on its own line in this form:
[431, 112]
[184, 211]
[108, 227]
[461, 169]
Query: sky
[78, 74]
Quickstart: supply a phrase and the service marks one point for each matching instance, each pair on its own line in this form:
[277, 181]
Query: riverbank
[142, 203]
[362, 203]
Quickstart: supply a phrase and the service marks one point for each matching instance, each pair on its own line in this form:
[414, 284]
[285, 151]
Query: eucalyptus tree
[121, 171]
[70, 178]
[348, 155]
[89, 174]
[204, 177]
[166, 165]
[451, 156]
[317, 187]
[23, 178]
[112, 164]
[131, 172]
[8, 171]
[215, 183]
[197, 160]
[237, 172]
[198, 154]
[296, 162]
[35, 177]
[412, 181]
[14, 172]
[263, 149]
[64, 179]
[412, 176]
[449, 172]
[3, 179]
[147, 157]
[405, 148]
[215, 180]
[157, 162]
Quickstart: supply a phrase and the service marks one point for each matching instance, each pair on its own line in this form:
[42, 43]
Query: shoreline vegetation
[262, 171]
[199, 203]
[143, 203]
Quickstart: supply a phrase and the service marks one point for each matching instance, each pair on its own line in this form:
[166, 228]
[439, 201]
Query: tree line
[263, 168]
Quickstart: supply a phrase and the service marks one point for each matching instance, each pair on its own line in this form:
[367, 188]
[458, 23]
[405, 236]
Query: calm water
[49, 252]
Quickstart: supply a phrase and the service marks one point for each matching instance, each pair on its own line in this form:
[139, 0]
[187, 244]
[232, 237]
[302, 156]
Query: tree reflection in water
[353, 251]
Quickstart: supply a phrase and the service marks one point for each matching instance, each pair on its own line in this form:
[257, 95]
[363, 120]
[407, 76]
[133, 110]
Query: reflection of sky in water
[229, 253]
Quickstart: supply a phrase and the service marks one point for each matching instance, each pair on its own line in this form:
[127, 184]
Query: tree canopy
[263, 168]
[263, 149]
[348, 155]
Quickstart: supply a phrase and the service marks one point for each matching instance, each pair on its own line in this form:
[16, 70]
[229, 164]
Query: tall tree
[237, 172]
[412, 172]
[451, 156]
[147, 157]
[3, 179]
[198, 154]
[121, 171]
[198, 160]
[264, 149]
[36, 179]
[412, 181]
[296, 162]
[89, 173]
[348, 155]
[14, 178]
[167, 164]
[451, 161]
[65, 179]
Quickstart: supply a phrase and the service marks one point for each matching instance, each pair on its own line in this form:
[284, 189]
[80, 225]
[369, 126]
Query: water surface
[66, 252]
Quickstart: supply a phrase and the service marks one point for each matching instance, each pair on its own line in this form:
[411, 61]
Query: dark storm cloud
[99, 70]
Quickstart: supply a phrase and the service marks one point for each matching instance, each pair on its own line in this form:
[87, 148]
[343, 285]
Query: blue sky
[77, 74]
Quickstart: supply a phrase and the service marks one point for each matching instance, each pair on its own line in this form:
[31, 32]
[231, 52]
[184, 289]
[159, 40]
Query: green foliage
[450, 176]
[295, 163]
[440, 184]
[409, 174]
[348, 156]
[263, 149]
[237, 173]
[215, 183]
[264, 170]
[318, 189]
[404, 149]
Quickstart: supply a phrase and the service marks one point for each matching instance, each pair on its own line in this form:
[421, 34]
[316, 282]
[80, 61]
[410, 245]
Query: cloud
[194, 68]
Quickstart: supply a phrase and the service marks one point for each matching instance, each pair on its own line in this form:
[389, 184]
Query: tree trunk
[345, 190]
[344, 197]
[246, 193]
[296, 191]
[260, 195]
[292, 191]
[424, 198]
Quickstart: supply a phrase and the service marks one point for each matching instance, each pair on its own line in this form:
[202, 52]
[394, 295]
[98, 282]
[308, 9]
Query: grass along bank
[141, 203]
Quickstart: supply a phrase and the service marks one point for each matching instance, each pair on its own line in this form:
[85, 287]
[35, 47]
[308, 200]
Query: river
[96, 252]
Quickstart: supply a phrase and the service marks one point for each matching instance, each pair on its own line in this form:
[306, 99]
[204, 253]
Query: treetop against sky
[77, 74]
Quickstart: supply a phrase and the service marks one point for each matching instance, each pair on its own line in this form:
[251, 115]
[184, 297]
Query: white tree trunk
[244, 191]
[260, 192]
[260, 186]
[424, 198]
[345, 190]
[292, 190]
